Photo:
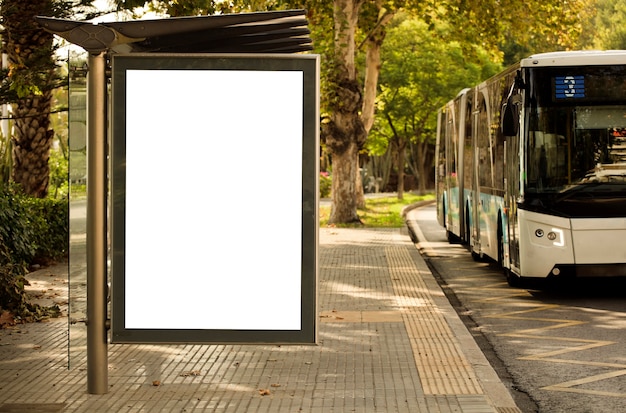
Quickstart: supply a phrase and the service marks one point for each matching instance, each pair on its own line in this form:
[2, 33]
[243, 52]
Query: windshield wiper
[577, 189]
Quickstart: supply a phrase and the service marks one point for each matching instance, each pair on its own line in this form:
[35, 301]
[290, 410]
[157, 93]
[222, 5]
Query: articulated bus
[531, 166]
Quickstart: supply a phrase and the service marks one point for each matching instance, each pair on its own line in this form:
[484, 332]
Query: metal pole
[4, 124]
[97, 357]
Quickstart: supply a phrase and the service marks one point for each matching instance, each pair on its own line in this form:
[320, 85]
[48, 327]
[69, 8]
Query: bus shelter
[191, 98]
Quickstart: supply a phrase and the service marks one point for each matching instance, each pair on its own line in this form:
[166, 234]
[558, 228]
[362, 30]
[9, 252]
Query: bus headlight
[556, 235]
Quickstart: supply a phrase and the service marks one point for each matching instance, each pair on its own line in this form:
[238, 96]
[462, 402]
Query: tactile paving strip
[442, 367]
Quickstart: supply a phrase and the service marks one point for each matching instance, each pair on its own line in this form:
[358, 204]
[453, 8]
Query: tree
[352, 101]
[343, 130]
[611, 33]
[32, 79]
[420, 73]
[521, 28]
[347, 98]
[181, 8]
[28, 85]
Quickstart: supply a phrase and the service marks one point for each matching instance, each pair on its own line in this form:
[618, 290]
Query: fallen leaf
[275, 385]
[190, 373]
[6, 319]
[156, 383]
[264, 392]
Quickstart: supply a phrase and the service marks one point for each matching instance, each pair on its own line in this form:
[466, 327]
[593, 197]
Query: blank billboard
[214, 198]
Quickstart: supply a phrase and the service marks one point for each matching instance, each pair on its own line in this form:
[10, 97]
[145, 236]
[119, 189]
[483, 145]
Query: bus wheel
[452, 238]
[466, 227]
[512, 279]
[500, 245]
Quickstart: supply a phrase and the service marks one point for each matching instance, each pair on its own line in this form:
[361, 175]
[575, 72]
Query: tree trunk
[359, 192]
[31, 144]
[372, 69]
[372, 66]
[345, 169]
[401, 161]
[31, 72]
[374, 43]
[421, 153]
[344, 134]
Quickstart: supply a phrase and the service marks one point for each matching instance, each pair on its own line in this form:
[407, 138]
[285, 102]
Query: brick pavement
[389, 342]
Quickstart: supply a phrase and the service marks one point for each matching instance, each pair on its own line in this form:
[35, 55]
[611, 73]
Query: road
[559, 348]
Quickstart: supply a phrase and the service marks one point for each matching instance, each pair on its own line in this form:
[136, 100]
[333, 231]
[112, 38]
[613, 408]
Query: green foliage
[379, 212]
[515, 29]
[611, 33]
[31, 230]
[326, 183]
[16, 233]
[49, 222]
[6, 161]
[13, 297]
[15, 252]
[421, 71]
[59, 173]
[12, 281]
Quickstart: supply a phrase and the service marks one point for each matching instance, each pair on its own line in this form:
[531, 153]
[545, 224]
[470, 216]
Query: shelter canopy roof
[262, 32]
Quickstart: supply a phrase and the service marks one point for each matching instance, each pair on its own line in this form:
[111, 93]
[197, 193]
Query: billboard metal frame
[309, 66]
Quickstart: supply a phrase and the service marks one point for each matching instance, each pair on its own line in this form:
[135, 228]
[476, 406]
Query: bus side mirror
[509, 123]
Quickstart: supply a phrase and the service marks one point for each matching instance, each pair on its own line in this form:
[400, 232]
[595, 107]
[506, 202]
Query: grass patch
[385, 212]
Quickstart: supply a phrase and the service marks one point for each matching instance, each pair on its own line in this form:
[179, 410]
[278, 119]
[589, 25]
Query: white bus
[531, 166]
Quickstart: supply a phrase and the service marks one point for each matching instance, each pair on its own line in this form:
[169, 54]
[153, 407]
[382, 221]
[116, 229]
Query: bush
[326, 183]
[59, 185]
[49, 221]
[16, 233]
[31, 230]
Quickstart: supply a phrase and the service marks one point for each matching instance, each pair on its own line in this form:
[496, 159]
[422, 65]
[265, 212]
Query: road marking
[568, 386]
[577, 345]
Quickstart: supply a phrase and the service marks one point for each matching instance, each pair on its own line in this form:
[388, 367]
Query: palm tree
[31, 79]
[28, 85]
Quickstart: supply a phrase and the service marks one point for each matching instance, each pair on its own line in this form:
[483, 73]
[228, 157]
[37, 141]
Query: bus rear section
[449, 170]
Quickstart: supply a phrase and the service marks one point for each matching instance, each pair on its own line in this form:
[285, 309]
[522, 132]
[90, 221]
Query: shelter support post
[97, 357]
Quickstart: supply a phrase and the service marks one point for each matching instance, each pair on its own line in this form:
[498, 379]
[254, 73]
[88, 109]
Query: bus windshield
[576, 140]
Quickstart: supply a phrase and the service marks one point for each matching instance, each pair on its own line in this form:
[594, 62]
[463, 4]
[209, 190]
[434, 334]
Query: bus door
[512, 131]
[478, 113]
[440, 171]
[468, 166]
[453, 185]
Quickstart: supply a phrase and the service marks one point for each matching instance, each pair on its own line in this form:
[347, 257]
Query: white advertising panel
[214, 192]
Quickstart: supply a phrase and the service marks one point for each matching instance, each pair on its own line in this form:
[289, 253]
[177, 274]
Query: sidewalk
[389, 342]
